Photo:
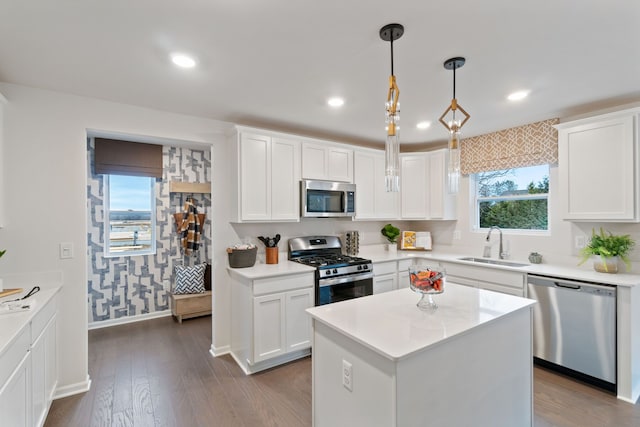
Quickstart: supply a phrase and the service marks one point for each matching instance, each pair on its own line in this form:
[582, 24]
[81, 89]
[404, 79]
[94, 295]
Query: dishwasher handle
[571, 285]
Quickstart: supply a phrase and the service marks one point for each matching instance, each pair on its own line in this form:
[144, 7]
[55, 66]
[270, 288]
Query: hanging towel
[189, 228]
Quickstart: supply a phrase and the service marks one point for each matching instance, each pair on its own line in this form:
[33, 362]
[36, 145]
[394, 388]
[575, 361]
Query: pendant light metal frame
[454, 64]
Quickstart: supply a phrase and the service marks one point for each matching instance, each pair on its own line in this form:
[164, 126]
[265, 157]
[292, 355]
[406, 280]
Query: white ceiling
[273, 63]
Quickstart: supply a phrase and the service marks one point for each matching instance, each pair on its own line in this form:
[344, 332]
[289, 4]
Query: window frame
[107, 222]
[475, 201]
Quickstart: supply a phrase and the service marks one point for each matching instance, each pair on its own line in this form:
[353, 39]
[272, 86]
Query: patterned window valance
[528, 145]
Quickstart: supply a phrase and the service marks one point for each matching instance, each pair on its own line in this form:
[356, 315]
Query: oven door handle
[343, 279]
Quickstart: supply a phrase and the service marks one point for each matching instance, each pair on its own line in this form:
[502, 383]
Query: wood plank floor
[159, 373]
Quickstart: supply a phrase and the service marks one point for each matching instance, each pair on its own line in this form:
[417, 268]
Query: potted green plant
[391, 233]
[606, 249]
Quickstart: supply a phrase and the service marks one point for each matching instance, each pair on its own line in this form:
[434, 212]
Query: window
[514, 199]
[129, 215]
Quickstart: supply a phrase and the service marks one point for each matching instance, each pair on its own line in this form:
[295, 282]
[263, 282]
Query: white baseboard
[219, 351]
[128, 319]
[71, 389]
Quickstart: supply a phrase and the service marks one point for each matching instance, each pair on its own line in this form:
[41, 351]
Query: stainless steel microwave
[327, 199]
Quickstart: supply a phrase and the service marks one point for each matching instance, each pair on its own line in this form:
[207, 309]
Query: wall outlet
[66, 250]
[347, 375]
[456, 234]
[580, 242]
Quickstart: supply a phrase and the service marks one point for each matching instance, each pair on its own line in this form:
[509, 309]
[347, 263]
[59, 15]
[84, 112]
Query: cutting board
[7, 292]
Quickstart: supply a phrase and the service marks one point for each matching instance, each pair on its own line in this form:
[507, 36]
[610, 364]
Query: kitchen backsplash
[131, 286]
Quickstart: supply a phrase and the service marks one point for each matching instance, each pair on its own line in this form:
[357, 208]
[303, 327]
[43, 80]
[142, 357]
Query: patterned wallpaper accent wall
[135, 285]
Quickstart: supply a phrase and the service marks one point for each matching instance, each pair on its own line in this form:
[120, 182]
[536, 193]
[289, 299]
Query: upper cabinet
[268, 177]
[423, 182]
[327, 162]
[372, 199]
[598, 168]
[3, 101]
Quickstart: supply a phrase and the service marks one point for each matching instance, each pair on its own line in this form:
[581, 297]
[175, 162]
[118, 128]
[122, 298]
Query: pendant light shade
[453, 126]
[390, 33]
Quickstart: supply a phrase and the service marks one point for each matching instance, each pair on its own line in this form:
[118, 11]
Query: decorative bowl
[427, 281]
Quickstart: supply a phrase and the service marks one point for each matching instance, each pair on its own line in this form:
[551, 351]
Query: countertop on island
[391, 324]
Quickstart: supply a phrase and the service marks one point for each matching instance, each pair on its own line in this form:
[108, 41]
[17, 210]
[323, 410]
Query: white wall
[45, 197]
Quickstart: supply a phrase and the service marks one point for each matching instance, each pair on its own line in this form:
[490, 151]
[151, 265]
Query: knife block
[271, 255]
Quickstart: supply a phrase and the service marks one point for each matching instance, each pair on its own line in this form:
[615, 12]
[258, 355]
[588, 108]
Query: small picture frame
[415, 241]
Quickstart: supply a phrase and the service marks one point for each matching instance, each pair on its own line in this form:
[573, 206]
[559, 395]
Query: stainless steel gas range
[338, 277]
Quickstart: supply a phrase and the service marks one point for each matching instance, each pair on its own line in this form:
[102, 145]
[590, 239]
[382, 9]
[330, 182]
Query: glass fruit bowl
[427, 281]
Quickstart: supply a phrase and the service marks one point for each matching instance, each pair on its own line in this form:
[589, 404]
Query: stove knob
[366, 267]
[335, 271]
[328, 272]
[359, 268]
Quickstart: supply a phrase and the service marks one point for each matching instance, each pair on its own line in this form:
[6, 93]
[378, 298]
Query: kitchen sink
[493, 261]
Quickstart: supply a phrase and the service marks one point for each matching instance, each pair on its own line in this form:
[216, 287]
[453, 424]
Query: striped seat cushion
[190, 280]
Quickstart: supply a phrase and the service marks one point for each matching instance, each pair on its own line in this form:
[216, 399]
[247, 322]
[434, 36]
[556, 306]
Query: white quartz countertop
[12, 322]
[585, 272]
[391, 324]
[258, 271]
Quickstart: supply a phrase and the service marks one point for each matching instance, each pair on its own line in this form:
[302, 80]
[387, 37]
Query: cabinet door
[285, 179]
[384, 283]
[597, 162]
[314, 161]
[268, 326]
[372, 199]
[414, 189]
[255, 177]
[51, 361]
[340, 164]
[442, 204]
[297, 319]
[15, 396]
[38, 375]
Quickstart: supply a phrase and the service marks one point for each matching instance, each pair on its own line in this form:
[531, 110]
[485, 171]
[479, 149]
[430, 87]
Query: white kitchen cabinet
[391, 275]
[492, 279]
[327, 162]
[423, 187]
[3, 101]
[373, 201]
[598, 168]
[269, 324]
[403, 273]
[28, 364]
[268, 177]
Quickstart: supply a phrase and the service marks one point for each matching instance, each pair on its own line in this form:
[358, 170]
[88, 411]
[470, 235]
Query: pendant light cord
[391, 52]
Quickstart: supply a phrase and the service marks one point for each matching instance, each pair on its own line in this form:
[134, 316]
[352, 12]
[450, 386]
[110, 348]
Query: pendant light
[454, 127]
[389, 33]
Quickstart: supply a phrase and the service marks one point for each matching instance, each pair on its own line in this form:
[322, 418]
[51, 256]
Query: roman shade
[528, 145]
[116, 157]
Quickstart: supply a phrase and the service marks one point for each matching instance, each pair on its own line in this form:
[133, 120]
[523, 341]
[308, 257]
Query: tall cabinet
[267, 178]
[598, 168]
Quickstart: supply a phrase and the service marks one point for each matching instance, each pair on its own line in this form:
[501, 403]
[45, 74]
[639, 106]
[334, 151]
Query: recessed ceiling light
[423, 125]
[335, 102]
[183, 61]
[517, 96]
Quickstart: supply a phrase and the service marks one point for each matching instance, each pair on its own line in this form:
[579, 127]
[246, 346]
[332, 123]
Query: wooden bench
[186, 306]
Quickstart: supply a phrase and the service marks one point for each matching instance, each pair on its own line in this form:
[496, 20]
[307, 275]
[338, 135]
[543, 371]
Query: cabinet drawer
[12, 356]
[491, 275]
[41, 319]
[283, 283]
[403, 265]
[381, 268]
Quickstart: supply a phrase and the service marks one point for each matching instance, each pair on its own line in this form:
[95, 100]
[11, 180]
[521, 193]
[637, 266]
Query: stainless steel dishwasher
[574, 328]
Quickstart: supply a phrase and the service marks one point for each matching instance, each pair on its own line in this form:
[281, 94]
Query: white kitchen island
[380, 361]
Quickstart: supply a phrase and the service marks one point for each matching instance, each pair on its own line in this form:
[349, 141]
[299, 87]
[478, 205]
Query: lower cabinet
[391, 275]
[269, 323]
[29, 370]
[492, 279]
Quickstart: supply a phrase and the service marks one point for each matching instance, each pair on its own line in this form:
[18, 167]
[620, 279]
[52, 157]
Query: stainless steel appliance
[338, 277]
[326, 199]
[575, 328]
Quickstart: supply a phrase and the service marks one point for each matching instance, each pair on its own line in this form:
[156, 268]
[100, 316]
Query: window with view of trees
[129, 215]
[513, 198]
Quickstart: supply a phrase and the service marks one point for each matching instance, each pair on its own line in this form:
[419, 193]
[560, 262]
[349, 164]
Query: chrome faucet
[487, 251]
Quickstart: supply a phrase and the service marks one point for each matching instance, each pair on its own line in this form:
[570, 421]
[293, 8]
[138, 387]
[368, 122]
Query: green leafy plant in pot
[606, 249]
[391, 233]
